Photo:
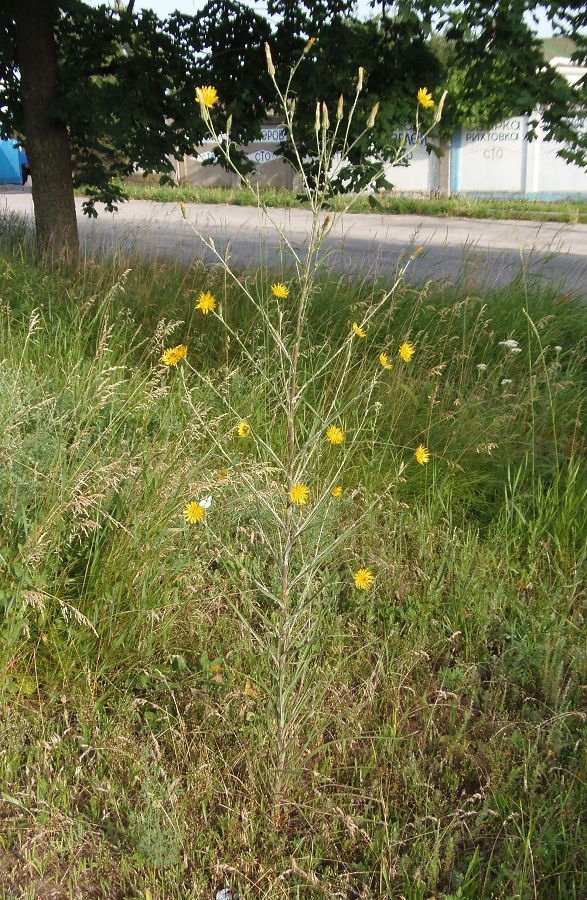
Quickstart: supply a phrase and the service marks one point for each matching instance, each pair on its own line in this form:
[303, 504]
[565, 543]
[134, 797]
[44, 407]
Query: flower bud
[317, 119]
[360, 81]
[339, 108]
[325, 119]
[309, 45]
[270, 66]
[200, 99]
[439, 105]
[371, 119]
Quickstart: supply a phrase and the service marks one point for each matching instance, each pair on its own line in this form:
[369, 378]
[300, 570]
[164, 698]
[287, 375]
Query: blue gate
[10, 169]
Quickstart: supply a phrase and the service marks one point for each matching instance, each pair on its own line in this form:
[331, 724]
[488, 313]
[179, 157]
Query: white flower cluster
[511, 345]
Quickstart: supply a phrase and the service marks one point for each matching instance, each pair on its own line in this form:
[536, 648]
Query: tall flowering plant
[292, 462]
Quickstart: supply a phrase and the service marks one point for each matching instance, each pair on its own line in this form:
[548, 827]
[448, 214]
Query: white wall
[548, 174]
[422, 173]
[492, 160]
[503, 161]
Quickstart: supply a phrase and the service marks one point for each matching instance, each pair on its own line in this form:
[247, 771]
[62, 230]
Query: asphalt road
[475, 252]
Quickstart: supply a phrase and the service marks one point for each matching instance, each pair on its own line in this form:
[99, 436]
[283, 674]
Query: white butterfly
[206, 502]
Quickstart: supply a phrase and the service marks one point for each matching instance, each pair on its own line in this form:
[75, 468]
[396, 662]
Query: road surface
[475, 252]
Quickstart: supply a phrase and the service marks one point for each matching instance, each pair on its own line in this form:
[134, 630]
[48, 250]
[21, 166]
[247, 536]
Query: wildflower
[363, 579]
[558, 348]
[281, 291]
[416, 252]
[516, 350]
[360, 332]
[194, 512]
[335, 435]
[222, 474]
[206, 302]
[207, 95]
[383, 357]
[406, 351]
[183, 210]
[482, 366]
[251, 692]
[172, 355]
[337, 491]
[243, 428]
[299, 494]
[505, 381]
[422, 455]
[425, 98]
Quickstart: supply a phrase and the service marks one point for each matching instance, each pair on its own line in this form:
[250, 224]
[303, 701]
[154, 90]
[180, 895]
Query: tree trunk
[46, 138]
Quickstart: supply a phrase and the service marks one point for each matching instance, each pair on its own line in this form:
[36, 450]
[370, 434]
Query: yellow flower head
[222, 474]
[425, 98]
[251, 692]
[383, 360]
[243, 429]
[360, 332]
[207, 95]
[335, 435]
[281, 291]
[194, 512]
[172, 355]
[416, 252]
[337, 491]
[406, 351]
[299, 494]
[422, 455]
[363, 579]
[206, 302]
[183, 209]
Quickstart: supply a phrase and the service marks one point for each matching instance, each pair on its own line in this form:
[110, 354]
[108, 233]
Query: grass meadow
[166, 729]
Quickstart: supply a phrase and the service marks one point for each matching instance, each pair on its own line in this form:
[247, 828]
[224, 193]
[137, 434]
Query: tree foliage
[127, 85]
[496, 67]
[126, 79]
[485, 54]
[393, 56]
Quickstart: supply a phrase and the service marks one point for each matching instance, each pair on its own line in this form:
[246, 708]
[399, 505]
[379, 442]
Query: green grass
[446, 748]
[573, 211]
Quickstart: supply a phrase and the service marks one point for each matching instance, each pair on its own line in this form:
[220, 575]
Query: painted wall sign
[262, 156]
[272, 135]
